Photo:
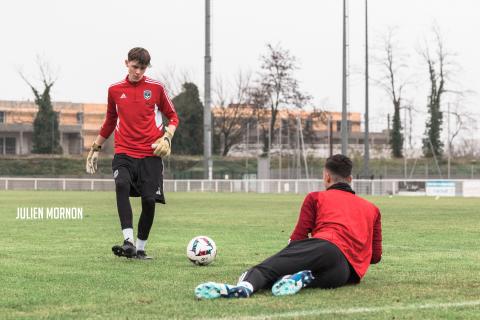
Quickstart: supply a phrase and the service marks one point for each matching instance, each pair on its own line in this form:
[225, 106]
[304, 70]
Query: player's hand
[92, 158]
[163, 146]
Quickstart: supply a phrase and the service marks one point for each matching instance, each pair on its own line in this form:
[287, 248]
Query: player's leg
[330, 269]
[291, 259]
[297, 256]
[333, 270]
[144, 226]
[122, 173]
[150, 169]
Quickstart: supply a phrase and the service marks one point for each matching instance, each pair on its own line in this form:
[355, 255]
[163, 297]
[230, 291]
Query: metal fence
[364, 187]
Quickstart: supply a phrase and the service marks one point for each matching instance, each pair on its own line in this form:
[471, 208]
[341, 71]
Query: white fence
[366, 187]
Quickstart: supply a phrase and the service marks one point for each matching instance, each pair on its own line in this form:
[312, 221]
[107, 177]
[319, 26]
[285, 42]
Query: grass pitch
[64, 269]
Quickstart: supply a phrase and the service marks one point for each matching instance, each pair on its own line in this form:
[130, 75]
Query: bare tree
[316, 116]
[47, 75]
[232, 113]
[173, 79]
[258, 100]
[393, 81]
[468, 147]
[463, 120]
[409, 109]
[439, 65]
[276, 88]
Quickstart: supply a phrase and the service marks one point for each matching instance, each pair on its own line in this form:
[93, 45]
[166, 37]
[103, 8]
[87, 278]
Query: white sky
[88, 41]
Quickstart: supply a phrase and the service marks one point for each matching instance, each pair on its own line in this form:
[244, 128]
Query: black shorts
[145, 175]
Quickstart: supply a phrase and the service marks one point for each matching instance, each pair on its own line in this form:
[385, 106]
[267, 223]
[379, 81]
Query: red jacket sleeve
[167, 108]
[306, 219]
[377, 240]
[110, 119]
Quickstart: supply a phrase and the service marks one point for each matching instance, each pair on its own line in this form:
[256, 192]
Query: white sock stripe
[246, 284]
[242, 276]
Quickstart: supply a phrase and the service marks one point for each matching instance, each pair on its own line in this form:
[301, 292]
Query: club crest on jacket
[147, 94]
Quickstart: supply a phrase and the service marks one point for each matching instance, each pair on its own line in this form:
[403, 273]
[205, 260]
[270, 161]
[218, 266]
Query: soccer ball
[201, 250]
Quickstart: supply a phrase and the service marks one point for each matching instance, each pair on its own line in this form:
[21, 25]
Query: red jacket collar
[135, 83]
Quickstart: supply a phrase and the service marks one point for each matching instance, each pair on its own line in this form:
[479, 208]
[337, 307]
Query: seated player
[345, 238]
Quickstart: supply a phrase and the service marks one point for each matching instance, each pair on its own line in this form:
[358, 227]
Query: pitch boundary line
[348, 311]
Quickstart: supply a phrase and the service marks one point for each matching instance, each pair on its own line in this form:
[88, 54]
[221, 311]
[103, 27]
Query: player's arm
[306, 219]
[163, 145]
[99, 140]
[110, 120]
[105, 131]
[377, 240]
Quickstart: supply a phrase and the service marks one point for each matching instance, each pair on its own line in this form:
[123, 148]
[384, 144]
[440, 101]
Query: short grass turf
[64, 269]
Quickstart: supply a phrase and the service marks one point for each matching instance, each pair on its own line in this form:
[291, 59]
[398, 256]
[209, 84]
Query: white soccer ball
[201, 250]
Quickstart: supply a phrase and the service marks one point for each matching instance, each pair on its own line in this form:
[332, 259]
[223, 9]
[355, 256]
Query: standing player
[345, 238]
[134, 113]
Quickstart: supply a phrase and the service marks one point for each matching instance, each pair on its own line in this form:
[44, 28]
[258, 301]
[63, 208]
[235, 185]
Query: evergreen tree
[46, 136]
[394, 81]
[433, 130]
[396, 137]
[436, 71]
[189, 138]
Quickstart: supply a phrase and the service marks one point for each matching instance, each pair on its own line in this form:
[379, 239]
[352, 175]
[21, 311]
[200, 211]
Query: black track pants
[138, 178]
[327, 263]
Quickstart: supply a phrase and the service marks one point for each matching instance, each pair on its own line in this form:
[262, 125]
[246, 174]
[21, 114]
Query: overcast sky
[87, 42]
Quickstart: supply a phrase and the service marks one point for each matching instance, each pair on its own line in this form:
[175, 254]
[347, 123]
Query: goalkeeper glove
[92, 158]
[163, 146]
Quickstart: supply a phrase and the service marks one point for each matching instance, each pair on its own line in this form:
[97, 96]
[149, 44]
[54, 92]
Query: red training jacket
[135, 113]
[351, 223]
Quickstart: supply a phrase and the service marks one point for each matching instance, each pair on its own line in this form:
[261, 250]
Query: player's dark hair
[339, 165]
[139, 54]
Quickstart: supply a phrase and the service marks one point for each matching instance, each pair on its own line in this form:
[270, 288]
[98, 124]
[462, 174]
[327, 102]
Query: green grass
[64, 269]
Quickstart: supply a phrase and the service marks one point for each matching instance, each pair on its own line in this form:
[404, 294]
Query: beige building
[79, 123]
[315, 126]
[317, 120]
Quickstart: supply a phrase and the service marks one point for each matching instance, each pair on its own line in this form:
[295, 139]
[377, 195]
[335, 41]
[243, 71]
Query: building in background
[319, 129]
[78, 125]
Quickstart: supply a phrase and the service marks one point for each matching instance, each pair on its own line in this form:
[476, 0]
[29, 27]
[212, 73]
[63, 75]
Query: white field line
[317, 312]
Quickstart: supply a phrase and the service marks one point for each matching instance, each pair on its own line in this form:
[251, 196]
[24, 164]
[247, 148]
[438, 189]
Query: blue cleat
[291, 284]
[213, 290]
